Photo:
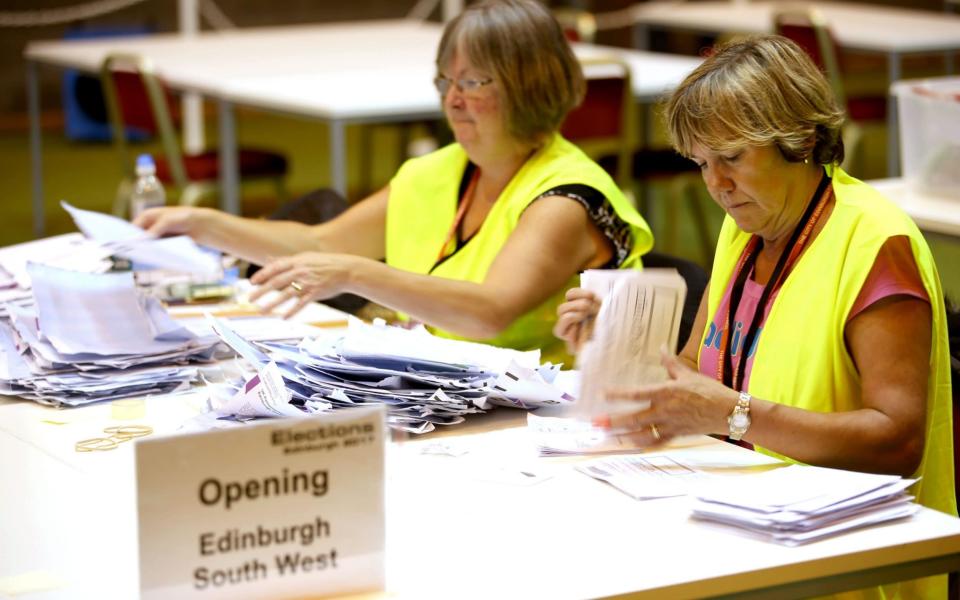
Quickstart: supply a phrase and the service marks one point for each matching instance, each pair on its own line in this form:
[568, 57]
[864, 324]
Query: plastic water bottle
[147, 191]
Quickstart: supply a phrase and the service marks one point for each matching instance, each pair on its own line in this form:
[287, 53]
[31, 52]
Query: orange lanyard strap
[798, 240]
[465, 203]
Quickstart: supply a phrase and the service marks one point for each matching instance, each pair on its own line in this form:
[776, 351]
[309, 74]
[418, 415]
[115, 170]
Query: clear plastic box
[929, 116]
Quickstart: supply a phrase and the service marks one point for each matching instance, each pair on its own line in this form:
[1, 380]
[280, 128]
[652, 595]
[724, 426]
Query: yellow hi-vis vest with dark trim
[423, 203]
[801, 359]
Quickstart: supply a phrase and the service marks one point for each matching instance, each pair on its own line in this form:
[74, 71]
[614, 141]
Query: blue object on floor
[85, 114]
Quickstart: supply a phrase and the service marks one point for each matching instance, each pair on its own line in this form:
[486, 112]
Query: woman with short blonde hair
[821, 338]
[524, 49]
[758, 93]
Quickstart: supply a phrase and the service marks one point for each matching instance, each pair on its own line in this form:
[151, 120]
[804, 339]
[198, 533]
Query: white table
[865, 28]
[373, 71]
[71, 517]
[937, 214]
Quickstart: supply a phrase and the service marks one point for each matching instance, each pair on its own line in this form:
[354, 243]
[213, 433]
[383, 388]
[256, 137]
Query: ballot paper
[646, 477]
[800, 504]
[126, 240]
[101, 314]
[640, 313]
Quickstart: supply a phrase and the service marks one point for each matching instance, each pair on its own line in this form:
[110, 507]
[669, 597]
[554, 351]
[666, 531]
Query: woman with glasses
[479, 239]
[821, 337]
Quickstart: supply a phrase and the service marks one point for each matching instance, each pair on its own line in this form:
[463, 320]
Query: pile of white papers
[404, 369]
[92, 337]
[640, 312]
[799, 504]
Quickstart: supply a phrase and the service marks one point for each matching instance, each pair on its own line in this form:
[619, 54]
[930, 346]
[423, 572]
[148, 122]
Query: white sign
[287, 508]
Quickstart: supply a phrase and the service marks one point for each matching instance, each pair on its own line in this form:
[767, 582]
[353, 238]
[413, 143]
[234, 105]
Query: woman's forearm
[859, 440]
[461, 307]
[254, 240]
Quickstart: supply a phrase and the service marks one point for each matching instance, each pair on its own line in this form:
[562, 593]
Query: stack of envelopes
[92, 337]
[798, 504]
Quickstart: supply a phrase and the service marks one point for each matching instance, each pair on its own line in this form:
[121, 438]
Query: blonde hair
[754, 92]
[520, 44]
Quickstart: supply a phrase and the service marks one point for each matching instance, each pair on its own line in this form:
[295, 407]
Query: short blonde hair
[520, 44]
[757, 91]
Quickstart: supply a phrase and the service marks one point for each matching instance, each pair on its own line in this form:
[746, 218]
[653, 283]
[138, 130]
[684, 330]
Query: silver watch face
[739, 420]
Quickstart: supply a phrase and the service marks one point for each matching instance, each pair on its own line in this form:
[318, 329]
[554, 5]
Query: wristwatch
[739, 419]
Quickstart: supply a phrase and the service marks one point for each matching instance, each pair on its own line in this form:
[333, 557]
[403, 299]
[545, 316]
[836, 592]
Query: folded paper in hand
[640, 313]
[126, 240]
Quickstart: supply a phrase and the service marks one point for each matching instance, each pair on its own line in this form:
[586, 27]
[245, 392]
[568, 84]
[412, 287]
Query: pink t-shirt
[894, 273]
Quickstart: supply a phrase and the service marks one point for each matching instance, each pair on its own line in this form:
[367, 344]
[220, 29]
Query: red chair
[605, 125]
[136, 98]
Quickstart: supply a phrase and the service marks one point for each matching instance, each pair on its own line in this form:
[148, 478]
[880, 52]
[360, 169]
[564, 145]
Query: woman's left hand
[306, 276]
[687, 403]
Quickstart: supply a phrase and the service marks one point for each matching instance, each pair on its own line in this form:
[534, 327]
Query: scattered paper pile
[799, 504]
[92, 337]
[424, 380]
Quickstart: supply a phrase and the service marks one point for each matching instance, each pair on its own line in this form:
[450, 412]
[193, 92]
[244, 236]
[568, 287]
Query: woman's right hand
[171, 220]
[575, 318]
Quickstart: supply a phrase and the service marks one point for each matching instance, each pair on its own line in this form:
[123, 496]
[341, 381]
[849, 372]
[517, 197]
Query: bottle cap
[145, 165]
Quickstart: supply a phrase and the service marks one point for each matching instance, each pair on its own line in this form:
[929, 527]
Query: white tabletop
[938, 214]
[70, 519]
[856, 26]
[353, 71]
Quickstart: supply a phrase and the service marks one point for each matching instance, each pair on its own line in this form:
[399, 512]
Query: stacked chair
[136, 99]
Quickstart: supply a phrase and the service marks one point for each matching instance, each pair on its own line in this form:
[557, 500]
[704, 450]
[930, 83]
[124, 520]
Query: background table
[937, 214]
[861, 27]
[451, 532]
[374, 71]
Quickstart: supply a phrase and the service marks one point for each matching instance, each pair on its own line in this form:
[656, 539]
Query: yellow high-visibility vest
[801, 359]
[423, 203]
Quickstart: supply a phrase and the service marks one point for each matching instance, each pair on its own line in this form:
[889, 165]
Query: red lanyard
[465, 203]
[798, 240]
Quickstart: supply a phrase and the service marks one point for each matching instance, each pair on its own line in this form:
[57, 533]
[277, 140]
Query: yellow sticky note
[127, 409]
[33, 581]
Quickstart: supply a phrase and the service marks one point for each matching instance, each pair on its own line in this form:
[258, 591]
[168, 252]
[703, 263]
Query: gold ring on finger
[655, 432]
[296, 287]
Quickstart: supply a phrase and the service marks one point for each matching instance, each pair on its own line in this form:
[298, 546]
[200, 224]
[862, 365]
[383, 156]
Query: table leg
[229, 163]
[893, 134]
[646, 143]
[36, 154]
[640, 34]
[192, 110]
[338, 156]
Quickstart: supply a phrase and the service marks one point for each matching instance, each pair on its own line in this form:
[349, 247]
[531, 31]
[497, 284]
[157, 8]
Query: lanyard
[465, 203]
[790, 254]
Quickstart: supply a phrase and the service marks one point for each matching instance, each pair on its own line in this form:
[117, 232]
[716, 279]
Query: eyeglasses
[464, 85]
